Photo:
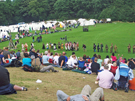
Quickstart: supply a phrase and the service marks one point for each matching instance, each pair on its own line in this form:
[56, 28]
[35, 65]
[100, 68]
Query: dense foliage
[15, 11]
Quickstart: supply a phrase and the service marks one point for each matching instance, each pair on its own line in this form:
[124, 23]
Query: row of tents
[4, 30]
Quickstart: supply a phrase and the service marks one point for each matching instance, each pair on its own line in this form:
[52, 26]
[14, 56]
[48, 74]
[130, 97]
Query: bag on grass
[27, 68]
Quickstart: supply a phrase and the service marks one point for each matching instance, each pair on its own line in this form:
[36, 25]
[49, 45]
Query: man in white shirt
[55, 60]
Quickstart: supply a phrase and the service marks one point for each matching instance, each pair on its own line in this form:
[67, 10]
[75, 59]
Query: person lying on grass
[5, 86]
[85, 95]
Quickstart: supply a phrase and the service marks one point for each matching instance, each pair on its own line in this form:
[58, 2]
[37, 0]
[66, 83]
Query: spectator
[95, 66]
[109, 64]
[81, 64]
[26, 61]
[62, 60]
[84, 96]
[93, 58]
[113, 58]
[99, 60]
[45, 59]
[6, 53]
[131, 64]
[33, 53]
[105, 78]
[106, 60]
[22, 54]
[18, 54]
[2, 60]
[5, 86]
[37, 65]
[55, 60]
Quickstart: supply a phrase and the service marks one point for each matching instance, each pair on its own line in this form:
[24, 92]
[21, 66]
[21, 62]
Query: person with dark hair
[85, 95]
[101, 47]
[95, 66]
[95, 55]
[131, 64]
[111, 48]
[5, 86]
[43, 46]
[84, 57]
[18, 54]
[6, 53]
[26, 60]
[33, 38]
[94, 47]
[113, 58]
[84, 47]
[98, 47]
[62, 60]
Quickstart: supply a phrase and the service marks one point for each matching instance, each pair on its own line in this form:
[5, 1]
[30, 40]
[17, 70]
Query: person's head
[18, 50]
[32, 57]
[80, 58]
[87, 57]
[112, 54]
[51, 53]
[73, 53]
[99, 56]
[107, 56]
[33, 50]
[37, 51]
[114, 64]
[6, 48]
[46, 52]
[73, 56]
[63, 53]
[56, 54]
[26, 55]
[91, 61]
[95, 55]
[59, 54]
[1, 51]
[106, 66]
[109, 61]
[84, 55]
[95, 60]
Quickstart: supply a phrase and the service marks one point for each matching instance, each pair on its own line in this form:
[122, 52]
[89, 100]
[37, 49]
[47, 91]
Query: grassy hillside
[120, 34]
[72, 83]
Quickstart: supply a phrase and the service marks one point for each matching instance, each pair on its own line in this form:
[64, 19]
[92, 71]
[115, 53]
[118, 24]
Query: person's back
[45, 59]
[105, 78]
[36, 62]
[4, 76]
[6, 53]
[55, 59]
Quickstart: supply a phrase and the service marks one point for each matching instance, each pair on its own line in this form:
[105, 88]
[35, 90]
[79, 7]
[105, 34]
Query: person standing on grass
[134, 49]
[101, 47]
[129, 47]
[85, 95]
[84, 47]
[115, 48]
[33, 38]
[94, 47]
[98, 47]
[5, 86]
[106, 48]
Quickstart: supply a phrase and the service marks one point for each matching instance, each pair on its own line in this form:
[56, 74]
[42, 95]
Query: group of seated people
[44, 62]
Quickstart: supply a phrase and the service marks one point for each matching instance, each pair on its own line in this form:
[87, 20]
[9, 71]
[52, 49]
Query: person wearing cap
[5, 86]
[45, 59]
[37, 64]
[85, 95]
[105, 78]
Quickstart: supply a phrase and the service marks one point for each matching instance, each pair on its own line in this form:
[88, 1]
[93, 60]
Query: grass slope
[120, 34]
[72, 83]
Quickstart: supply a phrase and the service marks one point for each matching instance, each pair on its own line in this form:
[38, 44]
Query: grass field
[72, 83]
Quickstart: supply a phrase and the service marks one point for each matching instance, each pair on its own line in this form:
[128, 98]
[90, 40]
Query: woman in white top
[109, 64]
[106, 60]
[72, 62]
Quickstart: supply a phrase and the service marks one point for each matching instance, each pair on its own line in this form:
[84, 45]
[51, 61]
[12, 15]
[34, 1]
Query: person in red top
[132, 84]
[113, 58]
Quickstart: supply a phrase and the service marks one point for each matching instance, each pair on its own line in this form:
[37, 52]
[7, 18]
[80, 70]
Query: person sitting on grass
[45, 59]
[55, 60]
[38, 66]
[85, 95]
[105, 78]
[81, 64]
[2, 60]
[26, 61]
[95, 66]
[5, 86]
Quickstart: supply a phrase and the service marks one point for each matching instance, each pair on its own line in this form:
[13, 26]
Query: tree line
[12, 12]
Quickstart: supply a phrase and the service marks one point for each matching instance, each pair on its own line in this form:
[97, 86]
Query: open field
[120, 34]
[72, 83]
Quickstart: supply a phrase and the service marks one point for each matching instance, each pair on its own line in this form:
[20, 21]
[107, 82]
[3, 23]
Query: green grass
[72, 83]
[120, 34]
